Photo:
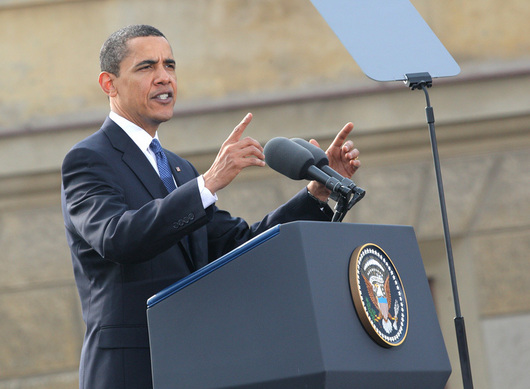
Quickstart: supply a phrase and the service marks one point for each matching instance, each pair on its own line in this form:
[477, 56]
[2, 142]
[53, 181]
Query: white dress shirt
[142, 139]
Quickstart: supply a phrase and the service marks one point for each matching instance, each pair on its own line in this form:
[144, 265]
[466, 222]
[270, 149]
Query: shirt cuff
[206, 196]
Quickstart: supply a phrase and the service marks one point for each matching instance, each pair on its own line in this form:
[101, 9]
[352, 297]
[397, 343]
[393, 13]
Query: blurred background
[279, 60]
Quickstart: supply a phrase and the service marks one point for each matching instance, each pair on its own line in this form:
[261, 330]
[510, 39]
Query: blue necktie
[163, 166]
[167, 178]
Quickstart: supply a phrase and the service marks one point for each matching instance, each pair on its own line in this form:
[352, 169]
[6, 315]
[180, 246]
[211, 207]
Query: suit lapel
[135, 159]
[181, 169]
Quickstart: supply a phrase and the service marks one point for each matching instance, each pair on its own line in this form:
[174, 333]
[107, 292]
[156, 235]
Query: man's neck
[122, 118]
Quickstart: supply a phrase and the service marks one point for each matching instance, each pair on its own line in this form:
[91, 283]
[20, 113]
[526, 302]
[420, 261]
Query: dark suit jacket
[126, 238]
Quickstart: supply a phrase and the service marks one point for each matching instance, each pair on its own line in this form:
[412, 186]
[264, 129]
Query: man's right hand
[235, 155]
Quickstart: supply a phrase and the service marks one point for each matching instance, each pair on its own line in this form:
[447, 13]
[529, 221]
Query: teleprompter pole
[423, 81]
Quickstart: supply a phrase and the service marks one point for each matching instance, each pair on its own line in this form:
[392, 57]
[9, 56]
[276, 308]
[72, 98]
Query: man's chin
[164, 117]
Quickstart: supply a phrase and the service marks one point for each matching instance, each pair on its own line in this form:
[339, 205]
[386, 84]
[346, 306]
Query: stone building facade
[279, 60]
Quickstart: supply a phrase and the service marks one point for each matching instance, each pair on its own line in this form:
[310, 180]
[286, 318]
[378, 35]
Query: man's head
[115, 49]
[138, 75]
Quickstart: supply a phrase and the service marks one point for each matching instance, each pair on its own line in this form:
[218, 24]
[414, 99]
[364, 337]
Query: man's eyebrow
[145, 62]
[153, 62]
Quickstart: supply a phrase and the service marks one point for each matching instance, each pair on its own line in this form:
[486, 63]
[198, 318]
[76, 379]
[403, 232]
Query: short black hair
[114, 50]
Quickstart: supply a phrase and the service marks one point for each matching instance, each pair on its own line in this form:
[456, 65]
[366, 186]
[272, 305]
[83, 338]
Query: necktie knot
[163, 166]
[155, 146]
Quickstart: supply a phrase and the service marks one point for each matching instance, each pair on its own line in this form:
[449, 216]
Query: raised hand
[343, 158]
[235, 155]
[342, 155]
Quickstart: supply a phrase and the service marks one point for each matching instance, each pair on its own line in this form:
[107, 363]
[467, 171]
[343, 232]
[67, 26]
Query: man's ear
[106, 81]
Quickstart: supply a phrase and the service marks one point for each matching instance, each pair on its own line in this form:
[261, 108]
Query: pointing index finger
[238, 130]
[342, 135]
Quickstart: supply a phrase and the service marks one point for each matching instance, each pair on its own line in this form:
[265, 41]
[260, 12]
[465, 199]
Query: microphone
[321, 161]
[287, 158]
[296, 162]
[345, 203]
[320, 157]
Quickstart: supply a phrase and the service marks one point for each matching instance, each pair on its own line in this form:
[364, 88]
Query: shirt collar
[136, 133]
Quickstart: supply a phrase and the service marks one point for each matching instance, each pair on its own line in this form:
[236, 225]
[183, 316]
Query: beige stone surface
[224, 48]
[68, 380]
[279, 60]
[40, 331]
[436, 264]
[488, 29]
[502, 269]
[392, 194]
[62, 74]
[251, 198]
[49, 72]
[34, 248]
[507, 346]
[507, 195]
[466, 180]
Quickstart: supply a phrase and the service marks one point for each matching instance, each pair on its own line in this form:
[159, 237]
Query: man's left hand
[343, 158]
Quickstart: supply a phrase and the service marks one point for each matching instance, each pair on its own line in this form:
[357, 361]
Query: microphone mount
[346, 199]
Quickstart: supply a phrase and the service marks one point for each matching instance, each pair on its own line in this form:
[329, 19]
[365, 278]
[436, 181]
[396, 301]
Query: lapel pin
[178, 168]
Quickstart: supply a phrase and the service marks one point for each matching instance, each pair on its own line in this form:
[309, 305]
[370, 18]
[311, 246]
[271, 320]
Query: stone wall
[233, 57]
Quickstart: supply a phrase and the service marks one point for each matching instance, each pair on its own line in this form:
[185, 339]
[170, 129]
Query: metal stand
[423, 81]
[346, 202]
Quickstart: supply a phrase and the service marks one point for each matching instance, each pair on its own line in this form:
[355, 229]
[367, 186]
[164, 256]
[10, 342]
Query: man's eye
[145, 67]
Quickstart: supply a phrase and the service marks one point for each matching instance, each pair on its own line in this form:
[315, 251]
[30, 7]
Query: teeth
[163, 96]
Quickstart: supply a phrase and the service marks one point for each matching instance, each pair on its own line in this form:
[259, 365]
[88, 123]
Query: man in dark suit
[131, 235]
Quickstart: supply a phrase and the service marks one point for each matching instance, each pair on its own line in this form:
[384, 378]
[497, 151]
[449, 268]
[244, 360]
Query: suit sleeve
[226, 232]
[98, 207]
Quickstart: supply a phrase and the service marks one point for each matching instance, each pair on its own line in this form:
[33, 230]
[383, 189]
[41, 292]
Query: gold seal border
[357, 300]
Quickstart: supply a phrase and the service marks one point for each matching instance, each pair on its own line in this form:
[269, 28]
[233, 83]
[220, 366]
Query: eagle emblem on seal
[378, 288]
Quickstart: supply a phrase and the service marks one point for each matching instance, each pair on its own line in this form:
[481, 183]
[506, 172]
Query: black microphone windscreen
[320, 157]
[288, 158]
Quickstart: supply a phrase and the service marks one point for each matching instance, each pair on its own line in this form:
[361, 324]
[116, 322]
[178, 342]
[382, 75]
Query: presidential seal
[378, 295]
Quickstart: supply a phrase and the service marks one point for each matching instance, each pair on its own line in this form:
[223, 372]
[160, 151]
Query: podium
[277, 312]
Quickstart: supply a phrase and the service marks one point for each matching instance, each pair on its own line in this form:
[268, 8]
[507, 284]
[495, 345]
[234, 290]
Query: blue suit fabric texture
[127, 236]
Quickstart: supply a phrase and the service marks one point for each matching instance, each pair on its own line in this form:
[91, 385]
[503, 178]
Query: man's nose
[162, 75]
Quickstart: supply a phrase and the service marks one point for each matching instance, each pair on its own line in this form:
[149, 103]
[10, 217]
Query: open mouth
[164, 96]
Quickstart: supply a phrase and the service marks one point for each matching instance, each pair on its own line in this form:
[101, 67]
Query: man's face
[146, 90]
